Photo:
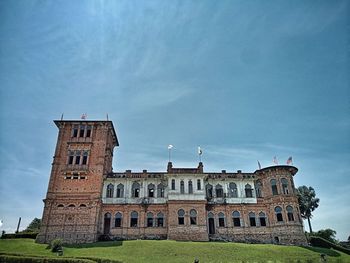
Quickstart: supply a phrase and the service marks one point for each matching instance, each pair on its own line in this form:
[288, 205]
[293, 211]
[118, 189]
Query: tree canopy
[307, 202]
[34, 226]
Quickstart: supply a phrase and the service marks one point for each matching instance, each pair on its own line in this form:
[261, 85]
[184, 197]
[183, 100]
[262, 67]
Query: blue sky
[246, 80]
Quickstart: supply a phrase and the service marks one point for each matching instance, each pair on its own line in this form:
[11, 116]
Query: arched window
[151, 190]
[258, 188]
[135, 190]
[252, 219]
[172, 184]
[221, 219]
[190, 187]
[236, 217]
[193, 217]
[149, 219]
[199, 187]
[278, 211]
[120, 190]
[107, 223]
[85, 157]
[182, 187]
[284, 182]
[133, 219]
[290, 213]
[232, 190]
[118, 220]
[71, 205]
[82, 205]
[110, 190]
[60, 205]
[181, 216]
[219, 191]
[160, 190]
[262, 219]
[248, 191]
[70, 157]
[274, 187]
[209, 190]
[160, 219]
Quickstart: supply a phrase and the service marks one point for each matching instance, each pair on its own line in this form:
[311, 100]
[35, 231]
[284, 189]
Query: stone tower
[83, 157]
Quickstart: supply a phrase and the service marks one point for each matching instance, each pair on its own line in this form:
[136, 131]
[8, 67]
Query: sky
[245, 80]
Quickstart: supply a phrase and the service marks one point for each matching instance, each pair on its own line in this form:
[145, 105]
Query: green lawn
[173, 251]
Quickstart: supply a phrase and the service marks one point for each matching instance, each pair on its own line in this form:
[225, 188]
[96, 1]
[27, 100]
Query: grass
[173, 251]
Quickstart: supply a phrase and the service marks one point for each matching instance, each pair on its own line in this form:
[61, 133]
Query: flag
[259, 165]
[275, 160]
[290, 160]
[83, 116]
[170, 147]
[200, 150]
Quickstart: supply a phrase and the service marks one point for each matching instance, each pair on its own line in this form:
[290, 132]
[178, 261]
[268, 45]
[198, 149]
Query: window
[71, 205]
[60, 205]
[110, 190]
[88, 131]
[118, 220]
[278, 211]
[135, 190]
[258, 188]
[149, 219]
[160, 219]
[82, 205]
[199, 184]
[82, 131]
[172, 184]
[190, 187]
[209, 189]
[151, 190]
[75, 131]
[160, 190]
[252, 219]
[133, 219]
[182, 187]
[77, 157]
[274, 187]
[262, 219]
[290, 213]
[85, 157]
[120, 190]
[248, 191]
[232, 190]
[221, 219]
[219, 191]
[285, 186]
[70, 157]
[236, 217]
[181, 217]
[193, 217]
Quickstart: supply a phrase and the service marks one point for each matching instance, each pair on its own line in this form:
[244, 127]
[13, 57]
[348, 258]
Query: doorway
[107, 224]
[211, 224]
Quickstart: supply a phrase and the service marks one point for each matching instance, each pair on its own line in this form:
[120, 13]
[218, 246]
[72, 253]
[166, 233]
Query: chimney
[170, 167]
[200, 167]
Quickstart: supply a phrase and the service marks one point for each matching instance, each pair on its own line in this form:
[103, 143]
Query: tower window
[274, 187]
[85, 157]
[290, 213]
[77, 157]
[88, 131]
[172, 184]
[278, 211]
[135, 190]
[199, 184]
[285, 186]
[248, 191]
[160, 190]
[181, 217]
[151, 190]
[75, 131]
[70, 157]
[193, 217]
[82, 131]
[219, 191]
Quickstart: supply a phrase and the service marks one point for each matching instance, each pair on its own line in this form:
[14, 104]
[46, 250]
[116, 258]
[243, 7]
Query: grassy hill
[173, 251]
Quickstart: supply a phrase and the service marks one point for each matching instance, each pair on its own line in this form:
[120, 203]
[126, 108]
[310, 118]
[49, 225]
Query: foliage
[307, 202]
[328, 234]
[321, 242]
[28, 259]
[175, 252]
[19, 235]
[56, 245]
[34, 226]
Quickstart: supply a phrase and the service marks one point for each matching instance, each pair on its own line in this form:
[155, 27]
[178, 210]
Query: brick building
[86, 199]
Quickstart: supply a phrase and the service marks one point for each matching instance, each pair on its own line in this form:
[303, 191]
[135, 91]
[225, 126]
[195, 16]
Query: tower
[83, 157]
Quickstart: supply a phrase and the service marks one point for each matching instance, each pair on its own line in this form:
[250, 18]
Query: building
[86, 199]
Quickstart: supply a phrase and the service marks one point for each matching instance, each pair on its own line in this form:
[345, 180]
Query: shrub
[27, 259]
[31, 235]
[56, 245]
[321, 242]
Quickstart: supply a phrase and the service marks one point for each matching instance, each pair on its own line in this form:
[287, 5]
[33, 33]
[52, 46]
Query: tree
[34, 226]
[307, 202]
[328, 234]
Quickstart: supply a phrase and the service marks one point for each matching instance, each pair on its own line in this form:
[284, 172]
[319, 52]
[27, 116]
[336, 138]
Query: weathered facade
[86, 199]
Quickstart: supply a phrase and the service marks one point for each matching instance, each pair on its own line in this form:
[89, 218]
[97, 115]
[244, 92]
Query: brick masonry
[79, 206]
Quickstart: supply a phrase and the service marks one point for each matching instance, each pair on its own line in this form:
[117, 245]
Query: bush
[56, 245]
[321, 242]
[26, 259]
[31, 235]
